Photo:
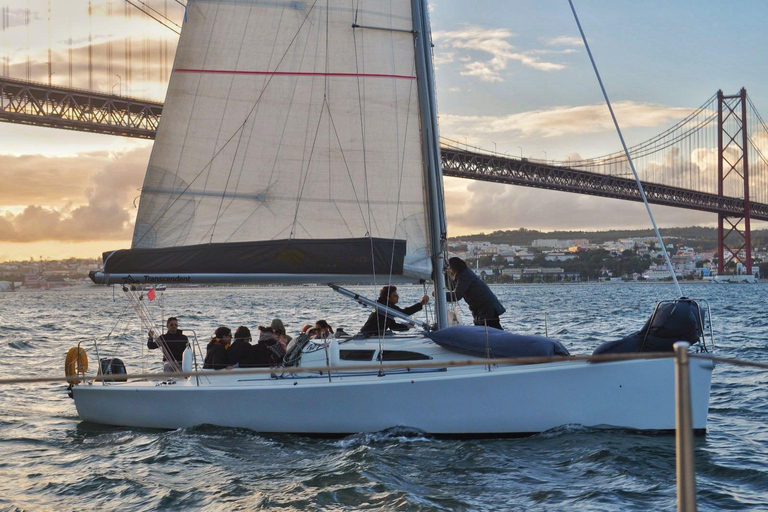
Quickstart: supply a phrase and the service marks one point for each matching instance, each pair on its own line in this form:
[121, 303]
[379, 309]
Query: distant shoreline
[204, 287]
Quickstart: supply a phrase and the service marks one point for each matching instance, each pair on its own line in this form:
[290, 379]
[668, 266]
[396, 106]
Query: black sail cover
[351, 256]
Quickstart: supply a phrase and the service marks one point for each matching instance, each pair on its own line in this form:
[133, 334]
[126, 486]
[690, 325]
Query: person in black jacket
[216, 353]
[174, 342]
[485, 307]
[240, 352]
[379, 321]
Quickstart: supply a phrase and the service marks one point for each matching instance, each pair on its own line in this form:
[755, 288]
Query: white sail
[290, 120]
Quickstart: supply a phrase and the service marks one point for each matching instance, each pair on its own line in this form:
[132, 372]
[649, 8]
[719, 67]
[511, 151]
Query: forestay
[293, 124]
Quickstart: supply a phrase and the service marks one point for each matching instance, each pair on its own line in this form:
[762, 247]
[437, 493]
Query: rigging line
[402, 164]
[270, 182]
[171, 201]
[349, 173]
[626, 150]
[326, 91]
[166, 18]
[258, 99]
[239, 140]
[306, 159]
[362, 133]
[156, 18]
[304, 175]
[397, 142]
[309, 164]
[241, 129]
[254, 212]
[309, 111]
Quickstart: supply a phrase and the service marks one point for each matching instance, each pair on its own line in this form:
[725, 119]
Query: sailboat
[299, 144]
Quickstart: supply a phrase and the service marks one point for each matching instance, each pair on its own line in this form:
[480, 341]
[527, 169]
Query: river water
[50, 460]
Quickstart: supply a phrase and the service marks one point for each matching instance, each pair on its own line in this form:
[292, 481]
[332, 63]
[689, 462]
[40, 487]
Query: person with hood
[174, 342]
[378, 322]
[485, 307]
[216, 353]
[279, 328]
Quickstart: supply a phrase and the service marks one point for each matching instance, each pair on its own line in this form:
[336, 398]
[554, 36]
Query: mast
[431, 147]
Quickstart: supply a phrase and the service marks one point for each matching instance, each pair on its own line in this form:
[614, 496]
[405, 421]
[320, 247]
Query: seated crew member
[486, 308]
[239, 353]
[216, 352]
[280, 334]
[174, 341]
[379, 321]
[323, 329]
[268, 351]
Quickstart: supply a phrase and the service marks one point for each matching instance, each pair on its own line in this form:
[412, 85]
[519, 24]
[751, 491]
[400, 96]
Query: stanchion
[686, 476]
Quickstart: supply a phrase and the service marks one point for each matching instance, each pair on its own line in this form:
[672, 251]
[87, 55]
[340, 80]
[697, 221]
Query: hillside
[700, 238]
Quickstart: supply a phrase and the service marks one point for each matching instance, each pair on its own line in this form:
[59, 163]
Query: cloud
[563, 41]
[97, 190]
[475, 206]
[561, 121]
[472, 45]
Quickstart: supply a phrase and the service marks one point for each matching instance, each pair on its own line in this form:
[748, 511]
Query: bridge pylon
[733, 231]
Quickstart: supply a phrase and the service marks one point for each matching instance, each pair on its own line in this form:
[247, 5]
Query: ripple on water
[21, 344]
[53, 461]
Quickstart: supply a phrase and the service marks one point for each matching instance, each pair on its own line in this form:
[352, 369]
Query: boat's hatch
[403, 355]
[356, 355]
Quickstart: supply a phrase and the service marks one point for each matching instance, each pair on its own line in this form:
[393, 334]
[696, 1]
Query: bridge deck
[73, 109]
[60, 107]
[476, 166]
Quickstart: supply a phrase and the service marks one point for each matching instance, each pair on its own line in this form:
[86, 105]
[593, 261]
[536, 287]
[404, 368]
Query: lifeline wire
[626, 151]
[286, 372]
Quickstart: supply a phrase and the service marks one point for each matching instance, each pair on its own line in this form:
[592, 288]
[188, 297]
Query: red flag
[151, 294]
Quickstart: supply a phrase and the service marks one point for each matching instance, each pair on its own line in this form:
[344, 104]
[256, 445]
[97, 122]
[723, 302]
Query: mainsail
[290, 145]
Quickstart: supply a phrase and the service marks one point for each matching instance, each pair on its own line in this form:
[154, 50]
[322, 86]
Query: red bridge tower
[733, 232]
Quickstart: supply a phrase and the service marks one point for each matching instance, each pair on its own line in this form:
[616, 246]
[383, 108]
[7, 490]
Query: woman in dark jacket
[485, 307]
[216, 353]
[379, 321]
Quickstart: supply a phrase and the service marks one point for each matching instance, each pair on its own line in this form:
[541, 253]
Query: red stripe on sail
[292, 73]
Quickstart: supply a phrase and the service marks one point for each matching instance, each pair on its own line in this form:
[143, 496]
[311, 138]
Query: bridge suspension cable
[157, 15]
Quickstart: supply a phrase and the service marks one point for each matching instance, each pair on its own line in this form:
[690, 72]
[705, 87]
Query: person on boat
[279, 328]
[174, 342]
[239, 354]
[268, 351]
[485, 307]
[378, 322]
[216, 354]
[323, 329]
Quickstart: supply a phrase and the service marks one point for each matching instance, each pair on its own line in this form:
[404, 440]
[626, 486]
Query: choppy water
[49, 460]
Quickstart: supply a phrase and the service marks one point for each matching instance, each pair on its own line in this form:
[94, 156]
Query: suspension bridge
[110, 82]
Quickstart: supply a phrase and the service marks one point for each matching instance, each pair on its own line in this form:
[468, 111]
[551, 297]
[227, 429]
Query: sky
[512, 76]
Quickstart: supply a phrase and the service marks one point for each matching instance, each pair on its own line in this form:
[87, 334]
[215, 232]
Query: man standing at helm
[174, 342]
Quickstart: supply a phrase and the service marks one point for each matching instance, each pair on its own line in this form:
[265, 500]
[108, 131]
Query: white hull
[637, 394]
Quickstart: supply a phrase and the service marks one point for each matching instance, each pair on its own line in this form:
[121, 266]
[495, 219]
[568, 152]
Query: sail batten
[287, 120]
